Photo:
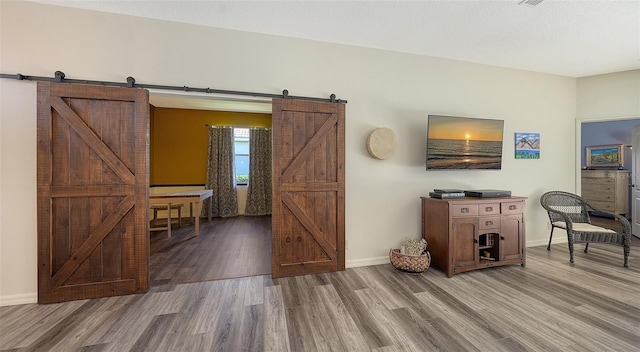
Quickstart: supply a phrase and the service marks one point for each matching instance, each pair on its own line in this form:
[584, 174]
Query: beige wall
[614, 95]
[384, 89]
[606, 97]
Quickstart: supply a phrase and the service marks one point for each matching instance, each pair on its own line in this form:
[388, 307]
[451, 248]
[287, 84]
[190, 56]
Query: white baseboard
[367, 261]
[13, 300]
[354, 263]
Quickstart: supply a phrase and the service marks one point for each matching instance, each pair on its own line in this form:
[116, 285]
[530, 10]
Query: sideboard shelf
[471, 233]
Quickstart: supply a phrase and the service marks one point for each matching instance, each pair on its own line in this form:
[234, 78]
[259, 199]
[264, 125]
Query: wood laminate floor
[549, 305]
[225, 248]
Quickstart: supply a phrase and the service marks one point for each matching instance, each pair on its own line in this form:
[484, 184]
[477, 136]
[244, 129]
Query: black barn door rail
[131, 83]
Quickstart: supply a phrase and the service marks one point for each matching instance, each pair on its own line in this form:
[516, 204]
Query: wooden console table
[194, 198]
[472, 233]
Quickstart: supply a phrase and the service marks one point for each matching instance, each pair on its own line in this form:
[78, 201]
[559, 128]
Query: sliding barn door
[92, 156]
[308, 187]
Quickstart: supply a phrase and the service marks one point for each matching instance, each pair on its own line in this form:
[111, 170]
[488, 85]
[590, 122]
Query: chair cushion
[583, 227]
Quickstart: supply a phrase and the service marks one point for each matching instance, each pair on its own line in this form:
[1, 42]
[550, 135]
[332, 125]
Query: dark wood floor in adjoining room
[549, 305]
[225, 248]
[609, 223]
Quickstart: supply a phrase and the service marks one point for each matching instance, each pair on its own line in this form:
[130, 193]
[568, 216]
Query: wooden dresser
[472, 233]
[608, 190]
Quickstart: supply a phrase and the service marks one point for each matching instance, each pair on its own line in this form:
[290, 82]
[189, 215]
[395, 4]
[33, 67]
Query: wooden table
[194, 198]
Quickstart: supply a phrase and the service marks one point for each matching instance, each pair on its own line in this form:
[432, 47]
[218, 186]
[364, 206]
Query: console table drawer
[489, 222]
[464, 209]
[489, 209]
[512, 207]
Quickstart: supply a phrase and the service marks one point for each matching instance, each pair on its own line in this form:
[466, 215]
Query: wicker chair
[571, 213]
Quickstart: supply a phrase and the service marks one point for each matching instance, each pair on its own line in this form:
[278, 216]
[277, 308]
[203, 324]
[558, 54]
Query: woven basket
[409, 262]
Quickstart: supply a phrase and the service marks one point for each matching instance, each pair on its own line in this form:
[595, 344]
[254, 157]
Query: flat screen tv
[464, 143]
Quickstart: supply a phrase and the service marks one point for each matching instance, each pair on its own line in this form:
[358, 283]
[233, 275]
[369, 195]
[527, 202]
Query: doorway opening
[226, 247]
[623, 196]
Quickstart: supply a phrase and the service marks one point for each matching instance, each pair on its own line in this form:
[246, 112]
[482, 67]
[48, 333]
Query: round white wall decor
[382, 143]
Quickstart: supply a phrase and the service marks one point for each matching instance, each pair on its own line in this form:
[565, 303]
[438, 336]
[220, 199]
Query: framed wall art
[527, 145]
[605, 156]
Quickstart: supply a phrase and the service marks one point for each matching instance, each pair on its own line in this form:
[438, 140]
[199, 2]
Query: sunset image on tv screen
[464, 143]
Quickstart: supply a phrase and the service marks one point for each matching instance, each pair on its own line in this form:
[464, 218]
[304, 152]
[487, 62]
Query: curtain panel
[259, 190]
[220, 173]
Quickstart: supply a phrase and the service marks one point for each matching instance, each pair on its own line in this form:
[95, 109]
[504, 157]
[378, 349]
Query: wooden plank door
[92, 181]
[511, 237]
[308, 187]
[465, 241]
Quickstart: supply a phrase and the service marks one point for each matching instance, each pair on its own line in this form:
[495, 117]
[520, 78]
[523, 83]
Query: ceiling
[204, 101]
[568, 38]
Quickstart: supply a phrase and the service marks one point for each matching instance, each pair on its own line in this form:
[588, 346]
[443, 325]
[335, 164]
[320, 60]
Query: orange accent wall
[152, 111]
[179, 139]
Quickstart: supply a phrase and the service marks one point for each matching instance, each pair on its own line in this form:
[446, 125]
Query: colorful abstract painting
[527, 145]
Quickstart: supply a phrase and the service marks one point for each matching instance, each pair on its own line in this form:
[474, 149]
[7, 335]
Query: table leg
[196, 218]
[210, 207]
[169, 220]
[191, 211]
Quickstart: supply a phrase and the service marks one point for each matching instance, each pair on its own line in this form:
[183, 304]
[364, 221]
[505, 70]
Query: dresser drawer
[598, 187]
[489, 209]
[598, 181]
[489, 222]
[605, 206]
[512, 207]
[599, 195]
[464, 209]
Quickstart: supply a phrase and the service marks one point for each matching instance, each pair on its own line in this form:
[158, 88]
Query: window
[241, 144]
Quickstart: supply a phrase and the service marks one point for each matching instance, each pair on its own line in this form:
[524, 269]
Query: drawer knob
[488, 209]
[512, 207]
[488, 222]
[464, 210]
